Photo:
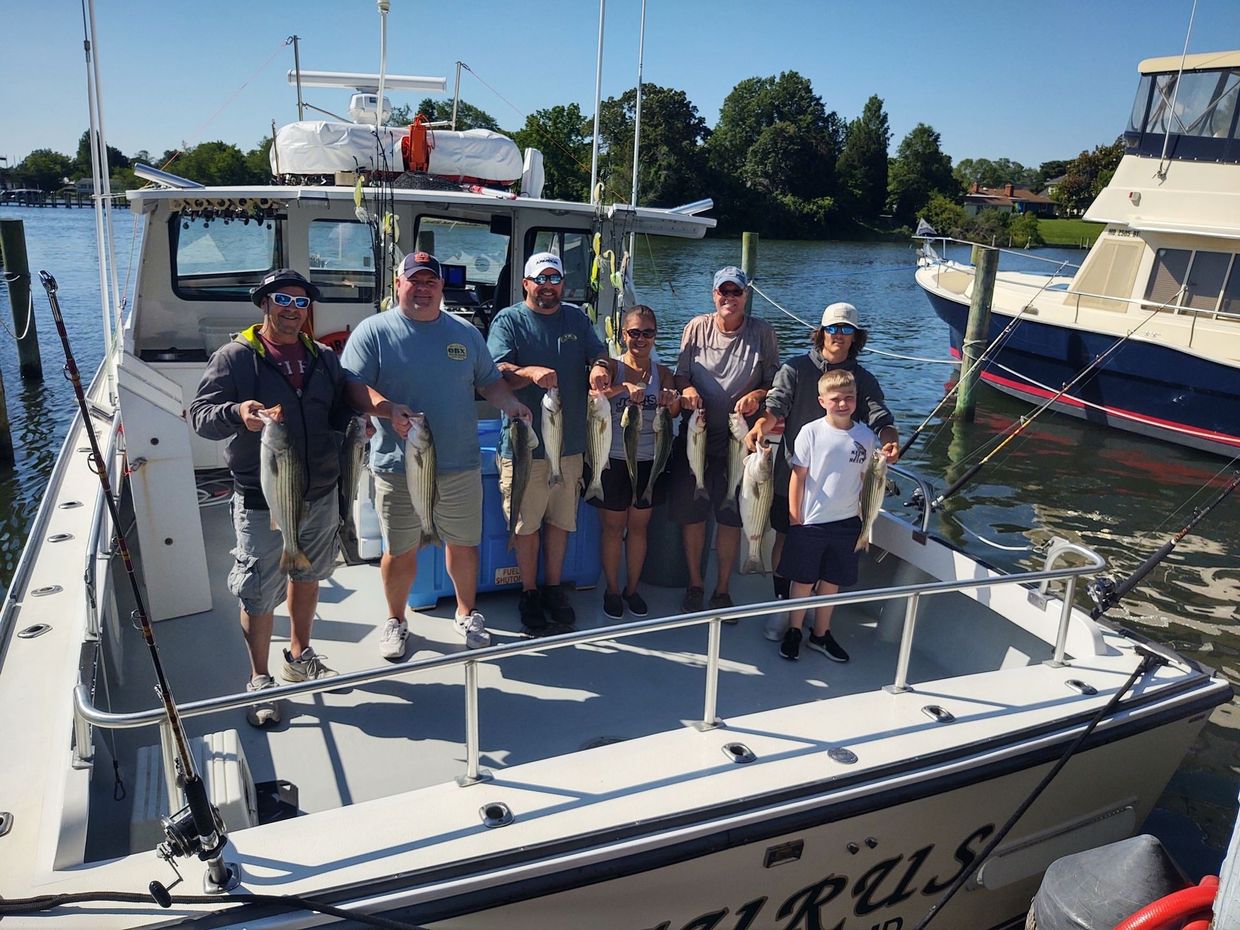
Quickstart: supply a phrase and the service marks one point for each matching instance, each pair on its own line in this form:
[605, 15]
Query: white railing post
[900, 685]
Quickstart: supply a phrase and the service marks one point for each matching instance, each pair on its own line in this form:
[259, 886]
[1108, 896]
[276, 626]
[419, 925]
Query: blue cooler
[497, 565]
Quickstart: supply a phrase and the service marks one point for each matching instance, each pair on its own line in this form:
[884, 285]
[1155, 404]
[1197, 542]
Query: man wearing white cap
[538, 344]
[418, 357]
[793, 399]
[726, 364]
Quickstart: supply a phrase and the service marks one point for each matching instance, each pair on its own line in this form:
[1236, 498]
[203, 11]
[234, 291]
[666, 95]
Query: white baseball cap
[840, 313]
[542, 261]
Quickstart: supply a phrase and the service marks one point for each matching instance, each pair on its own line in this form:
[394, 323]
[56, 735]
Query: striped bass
[420, 476]
[873, 490]
[631, 430]
[282, 476]
[737, 430]
[523, 441]
[662, 451]
[553, 435]
[352, 464]
[598, 443]
[695, 447]
[757, 491]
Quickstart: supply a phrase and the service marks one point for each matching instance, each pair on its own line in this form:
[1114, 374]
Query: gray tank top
[645, 442]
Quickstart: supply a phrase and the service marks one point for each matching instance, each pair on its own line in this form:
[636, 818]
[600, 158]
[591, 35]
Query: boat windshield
[1198, 109]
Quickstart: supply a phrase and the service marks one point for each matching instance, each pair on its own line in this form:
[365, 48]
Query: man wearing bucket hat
[275, 364]
[726, 363]
[539, 344]
[793, 400]
[419, 357]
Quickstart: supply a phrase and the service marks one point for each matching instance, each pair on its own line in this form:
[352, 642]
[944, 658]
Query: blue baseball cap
[730, 274]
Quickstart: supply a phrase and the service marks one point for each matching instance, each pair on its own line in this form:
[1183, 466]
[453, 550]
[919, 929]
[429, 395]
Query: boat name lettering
[883, 885]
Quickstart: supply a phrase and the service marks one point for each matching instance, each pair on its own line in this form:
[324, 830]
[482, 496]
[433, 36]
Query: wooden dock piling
[985, 264]
[17, 274]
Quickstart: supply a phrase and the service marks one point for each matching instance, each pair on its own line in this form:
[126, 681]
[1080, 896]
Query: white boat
[1163, 277]
[672, 772]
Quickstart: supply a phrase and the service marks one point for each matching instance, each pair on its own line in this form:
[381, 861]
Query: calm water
[1119, 495]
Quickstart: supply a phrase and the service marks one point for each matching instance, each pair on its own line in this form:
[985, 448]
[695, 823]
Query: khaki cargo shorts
[457, 510]
[543, 504]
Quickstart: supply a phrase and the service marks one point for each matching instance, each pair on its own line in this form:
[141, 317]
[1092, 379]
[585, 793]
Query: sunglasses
[280, 299]
[841, 329]
[640, 333]
[552, 278]
[731, 291]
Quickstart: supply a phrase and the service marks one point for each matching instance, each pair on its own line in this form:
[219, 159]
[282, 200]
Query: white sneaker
[268, 712]
[473, 630]
[776, 626]
[392, 642]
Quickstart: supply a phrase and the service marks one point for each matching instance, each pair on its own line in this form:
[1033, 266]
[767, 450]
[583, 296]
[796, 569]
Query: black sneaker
[691, 603]
[722, 600]
[637, 605]
[556, 604]
[531, 611]
[827, 645]
[613, 607]
[790, 648]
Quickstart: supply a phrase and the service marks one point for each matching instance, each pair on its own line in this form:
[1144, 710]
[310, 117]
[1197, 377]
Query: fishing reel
[1104, 592]
[184, 837]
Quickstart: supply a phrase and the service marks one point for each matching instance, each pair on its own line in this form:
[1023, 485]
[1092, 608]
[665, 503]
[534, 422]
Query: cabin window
[1231, 293]
[1108, 273]
[1204, 104]
[1167, 277]
[1136, 122]
[1205, 280]
[576, 254]
[464, 242]
[215, 259]
[342, 260]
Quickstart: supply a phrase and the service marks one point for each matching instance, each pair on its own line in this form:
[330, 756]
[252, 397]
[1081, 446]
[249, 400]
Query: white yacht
[1163, 278]
[671, 773]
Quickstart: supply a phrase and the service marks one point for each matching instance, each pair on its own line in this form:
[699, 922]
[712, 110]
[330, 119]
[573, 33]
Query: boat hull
[1144, 388]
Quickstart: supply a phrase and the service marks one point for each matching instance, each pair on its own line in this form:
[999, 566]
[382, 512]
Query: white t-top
[835, 460]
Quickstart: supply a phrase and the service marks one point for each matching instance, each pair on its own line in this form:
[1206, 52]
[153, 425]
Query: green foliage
[946, 216]
[44, 169]
[1086, 176]
[217, 163]
[1023, 231]
[672, 160]
[81, 164]
[987, 173]
[862, 166]
[564, 137]
[258, 162]
[468, 116]
[919, 169]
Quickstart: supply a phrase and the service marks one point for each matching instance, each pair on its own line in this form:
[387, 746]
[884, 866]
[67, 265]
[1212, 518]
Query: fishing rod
[196, 829]
[1088, 371]
[1106, 593]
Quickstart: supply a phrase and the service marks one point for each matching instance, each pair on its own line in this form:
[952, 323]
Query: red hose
[1169, 911]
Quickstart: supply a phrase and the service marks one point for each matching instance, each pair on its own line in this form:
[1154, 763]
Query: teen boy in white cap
[543, 343]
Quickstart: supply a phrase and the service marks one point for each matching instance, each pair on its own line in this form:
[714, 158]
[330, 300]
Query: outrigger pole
[196, 829]
[1106, 593]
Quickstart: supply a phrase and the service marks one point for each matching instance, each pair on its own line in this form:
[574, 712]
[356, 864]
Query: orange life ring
[1170, 911]
[335, 341]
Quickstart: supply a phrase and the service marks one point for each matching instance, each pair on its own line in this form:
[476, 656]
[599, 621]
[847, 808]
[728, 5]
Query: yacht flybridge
[674, 772]
[1163, 278]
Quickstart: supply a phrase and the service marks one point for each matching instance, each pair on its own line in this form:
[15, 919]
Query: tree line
[777, 162]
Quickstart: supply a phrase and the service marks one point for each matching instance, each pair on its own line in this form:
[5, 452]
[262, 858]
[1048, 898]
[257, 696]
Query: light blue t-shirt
[564, 341]
[433, 367]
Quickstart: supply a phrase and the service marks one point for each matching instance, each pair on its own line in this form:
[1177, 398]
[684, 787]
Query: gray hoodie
[241, 371]
[794, 396]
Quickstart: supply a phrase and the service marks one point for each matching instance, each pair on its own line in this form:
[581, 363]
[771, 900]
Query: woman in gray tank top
[643, 384]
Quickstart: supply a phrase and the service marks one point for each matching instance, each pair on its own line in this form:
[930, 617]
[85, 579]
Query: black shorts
[779, 513]
[822, 552]
[618, 493]
[684, 506]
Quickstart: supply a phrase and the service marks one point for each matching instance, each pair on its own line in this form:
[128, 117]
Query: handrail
[85, 711]
[1020, 253]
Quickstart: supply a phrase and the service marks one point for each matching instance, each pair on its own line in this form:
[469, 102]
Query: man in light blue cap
[727, 362]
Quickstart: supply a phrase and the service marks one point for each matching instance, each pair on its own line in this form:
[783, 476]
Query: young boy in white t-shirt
[828, 462]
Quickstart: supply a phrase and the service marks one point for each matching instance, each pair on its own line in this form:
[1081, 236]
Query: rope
[989, 542]
[811, 326]
[9, 278]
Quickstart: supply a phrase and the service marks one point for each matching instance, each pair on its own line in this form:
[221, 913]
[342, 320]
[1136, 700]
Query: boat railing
[86, 714]
[1024, 255]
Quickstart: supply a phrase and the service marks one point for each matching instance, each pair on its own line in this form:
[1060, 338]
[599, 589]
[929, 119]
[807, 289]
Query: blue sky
[1029, 81]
